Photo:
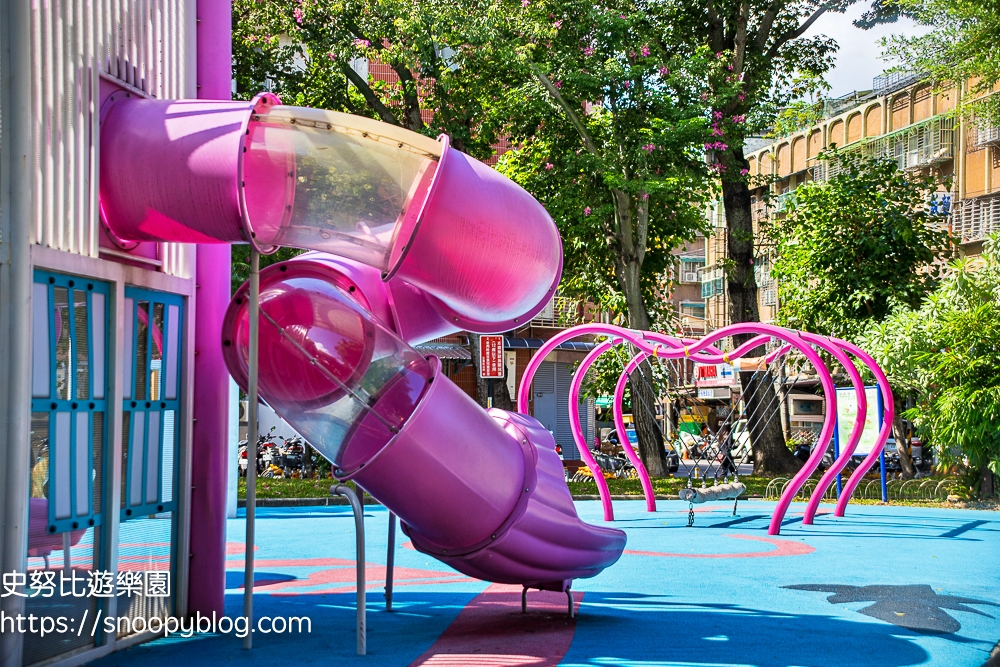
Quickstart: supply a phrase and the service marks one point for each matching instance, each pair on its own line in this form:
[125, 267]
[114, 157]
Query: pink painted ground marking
[784, 548]
[492, 632]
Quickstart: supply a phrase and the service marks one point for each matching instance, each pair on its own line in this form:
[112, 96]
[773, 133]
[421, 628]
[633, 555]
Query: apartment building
[903, 118]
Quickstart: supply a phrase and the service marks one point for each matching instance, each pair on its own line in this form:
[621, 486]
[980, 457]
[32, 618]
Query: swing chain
[690, 515]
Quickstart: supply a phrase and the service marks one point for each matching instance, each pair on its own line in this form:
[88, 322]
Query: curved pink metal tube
[677, 345]
[888, 413]
[697, 352]
[829, 420]
[647, 485]
[856, 431]
[574, 422]
[524, 392]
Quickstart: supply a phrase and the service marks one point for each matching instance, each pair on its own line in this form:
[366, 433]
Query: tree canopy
[849, 249]
[947, 353]
[960, 46]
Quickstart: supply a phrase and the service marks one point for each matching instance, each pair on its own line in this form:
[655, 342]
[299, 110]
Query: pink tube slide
[484, 252]
[481, 491]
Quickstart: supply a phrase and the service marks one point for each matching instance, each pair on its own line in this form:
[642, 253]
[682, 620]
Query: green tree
[852, 248]
[961, 45]
[608, 119]
[609, 128]
[315, 53]
[948, 354]
[763, 49]
[849, 248]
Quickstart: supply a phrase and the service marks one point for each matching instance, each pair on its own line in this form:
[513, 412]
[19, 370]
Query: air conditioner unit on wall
[690, 277]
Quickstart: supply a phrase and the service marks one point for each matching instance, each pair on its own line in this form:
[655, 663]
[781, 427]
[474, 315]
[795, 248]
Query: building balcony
[713, 281]
[560, 313]
[974, 219]
[918, 146]
[824, 170]
[783, 201]
[981, 137]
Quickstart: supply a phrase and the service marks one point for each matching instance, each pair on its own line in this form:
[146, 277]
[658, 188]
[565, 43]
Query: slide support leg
[390, 560]
[359, 529]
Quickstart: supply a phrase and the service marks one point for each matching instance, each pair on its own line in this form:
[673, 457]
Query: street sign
[491, 356]
[847, 412]
[714, 375]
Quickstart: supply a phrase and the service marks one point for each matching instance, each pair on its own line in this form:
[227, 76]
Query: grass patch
[662, 486]
[288, 488]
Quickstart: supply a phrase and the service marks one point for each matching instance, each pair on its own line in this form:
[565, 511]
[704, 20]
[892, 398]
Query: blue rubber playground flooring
[885, 586]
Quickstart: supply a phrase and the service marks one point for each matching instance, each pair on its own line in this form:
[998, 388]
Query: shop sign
[714, 375]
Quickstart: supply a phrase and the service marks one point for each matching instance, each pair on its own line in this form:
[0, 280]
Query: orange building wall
[784, 160]
[799, 153]
[854, 128]
[765, 164]
[836, 133]
[994, 169]
[922, 104]
[900, 111]
[873, 121]
[815, 143]
[975, 172]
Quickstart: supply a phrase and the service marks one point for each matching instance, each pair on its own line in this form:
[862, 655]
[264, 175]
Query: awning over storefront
[446, 351]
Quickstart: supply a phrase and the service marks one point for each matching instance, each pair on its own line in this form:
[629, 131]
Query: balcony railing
[824, 170]
[783, 201]
[917, 146]
[893, 81]
[559, 312]
[981, 137]
[713, 281]
[975, 219]
[769, 295]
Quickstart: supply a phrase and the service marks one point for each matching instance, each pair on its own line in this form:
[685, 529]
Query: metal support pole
[252, 437]
[17, 159]
[359, 530]
[390, 561]
[572, 611]
[836, 455]
[881, 462]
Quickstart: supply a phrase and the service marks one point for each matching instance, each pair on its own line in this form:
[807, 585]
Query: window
[69, 408]
[151, 401]
[693, 310]
[151, 395]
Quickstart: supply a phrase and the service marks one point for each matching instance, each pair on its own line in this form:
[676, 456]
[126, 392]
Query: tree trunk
[771, 454]
[902, 447]
[987, 483]
[651, 449]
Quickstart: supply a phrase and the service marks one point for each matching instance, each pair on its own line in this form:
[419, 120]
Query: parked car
[673, 460]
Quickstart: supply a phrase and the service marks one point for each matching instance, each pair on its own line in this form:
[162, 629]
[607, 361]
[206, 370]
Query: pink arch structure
[704, 351]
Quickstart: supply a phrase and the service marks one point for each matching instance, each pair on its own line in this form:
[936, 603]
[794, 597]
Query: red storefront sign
[491, 356]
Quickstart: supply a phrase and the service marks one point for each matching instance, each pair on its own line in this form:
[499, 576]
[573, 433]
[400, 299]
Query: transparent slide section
[481, 491]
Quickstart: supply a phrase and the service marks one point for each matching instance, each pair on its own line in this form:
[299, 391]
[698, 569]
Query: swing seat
[728, 491]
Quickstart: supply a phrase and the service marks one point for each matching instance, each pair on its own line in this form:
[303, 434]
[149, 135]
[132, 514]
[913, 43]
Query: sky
[858, 60]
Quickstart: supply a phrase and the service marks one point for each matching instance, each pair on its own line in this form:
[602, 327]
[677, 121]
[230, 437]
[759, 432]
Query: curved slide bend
[418, 241]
